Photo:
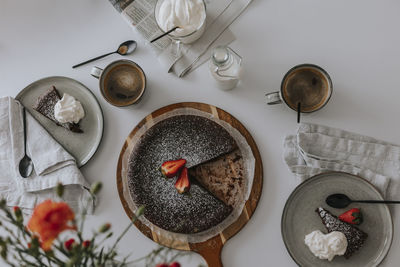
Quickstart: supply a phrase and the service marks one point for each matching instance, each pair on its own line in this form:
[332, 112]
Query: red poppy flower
[86, 243]
[68, 244]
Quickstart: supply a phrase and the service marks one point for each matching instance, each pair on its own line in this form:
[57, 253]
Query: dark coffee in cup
[305, 88]
[308, 85]
[122, 82]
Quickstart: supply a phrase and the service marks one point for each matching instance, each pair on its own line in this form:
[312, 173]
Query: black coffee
[124, 84]
[308, 86]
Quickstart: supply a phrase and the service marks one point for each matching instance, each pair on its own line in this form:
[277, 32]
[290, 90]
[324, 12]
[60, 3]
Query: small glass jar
[225, 66]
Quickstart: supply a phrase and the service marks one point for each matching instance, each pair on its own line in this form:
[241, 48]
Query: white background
[357, 42]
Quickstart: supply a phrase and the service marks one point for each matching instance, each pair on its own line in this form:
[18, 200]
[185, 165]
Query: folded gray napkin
[316, 148]
[52, 164]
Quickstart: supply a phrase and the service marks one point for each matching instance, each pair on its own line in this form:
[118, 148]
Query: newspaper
[220, 14]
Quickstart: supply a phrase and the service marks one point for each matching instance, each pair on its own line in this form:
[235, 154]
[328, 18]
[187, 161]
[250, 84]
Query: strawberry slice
[353, 216]
[172, 167]
[182, 184]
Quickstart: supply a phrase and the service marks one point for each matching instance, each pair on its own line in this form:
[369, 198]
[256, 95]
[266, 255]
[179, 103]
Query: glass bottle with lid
[225, 67]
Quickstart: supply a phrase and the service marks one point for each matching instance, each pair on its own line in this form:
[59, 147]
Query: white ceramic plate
[80, 145]
[299, 219]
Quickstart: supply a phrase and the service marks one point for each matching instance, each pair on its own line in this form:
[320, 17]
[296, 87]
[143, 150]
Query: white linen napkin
[316, 148]
[52, 164]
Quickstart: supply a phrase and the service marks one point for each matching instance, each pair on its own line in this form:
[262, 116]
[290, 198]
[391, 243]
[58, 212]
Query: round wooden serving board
[210, 249]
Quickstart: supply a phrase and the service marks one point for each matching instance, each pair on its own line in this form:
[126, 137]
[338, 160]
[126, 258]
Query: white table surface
[357, 42]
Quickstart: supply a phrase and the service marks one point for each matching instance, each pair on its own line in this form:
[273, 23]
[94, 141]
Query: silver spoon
[340, 201]
[125, 48]
[26, 164]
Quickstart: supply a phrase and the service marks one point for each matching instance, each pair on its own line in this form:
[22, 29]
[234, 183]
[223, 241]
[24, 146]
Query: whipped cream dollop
[188, 15]
[68, 109]
[326, 247]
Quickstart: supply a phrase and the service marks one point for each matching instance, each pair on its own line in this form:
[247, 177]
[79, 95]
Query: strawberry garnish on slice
[353, 216]
[172, 167]
[182, 184]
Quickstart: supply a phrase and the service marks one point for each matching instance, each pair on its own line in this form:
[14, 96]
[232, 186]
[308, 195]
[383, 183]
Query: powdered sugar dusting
[355, 237]
[195, 139]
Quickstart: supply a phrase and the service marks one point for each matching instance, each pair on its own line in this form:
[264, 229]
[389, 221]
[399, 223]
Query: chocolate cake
[45, 106]
[223, 177]
[355, 237]
[196, 139]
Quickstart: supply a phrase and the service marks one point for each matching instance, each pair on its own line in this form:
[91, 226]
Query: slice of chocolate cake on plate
[45, 106]
[355, 237]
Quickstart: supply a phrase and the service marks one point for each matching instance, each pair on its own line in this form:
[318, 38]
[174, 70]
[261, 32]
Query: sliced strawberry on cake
[171, 168]
[182, 184]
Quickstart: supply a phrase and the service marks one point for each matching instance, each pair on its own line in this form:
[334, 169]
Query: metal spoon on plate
[26, 164]
[125, 48]
[340, 201]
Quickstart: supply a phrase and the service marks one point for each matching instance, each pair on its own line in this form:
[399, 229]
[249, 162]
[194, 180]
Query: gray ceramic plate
[80, 145]
[299, 219]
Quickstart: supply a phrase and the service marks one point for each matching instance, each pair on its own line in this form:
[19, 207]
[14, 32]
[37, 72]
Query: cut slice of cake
[45, 106]
[355, 237]
[223, 177]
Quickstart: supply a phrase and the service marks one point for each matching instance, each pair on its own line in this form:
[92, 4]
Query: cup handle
[273, 98]
[96, 72]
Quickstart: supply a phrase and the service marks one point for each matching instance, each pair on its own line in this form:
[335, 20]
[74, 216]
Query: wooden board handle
[210, 250]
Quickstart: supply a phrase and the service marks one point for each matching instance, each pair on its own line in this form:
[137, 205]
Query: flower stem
[123, 233]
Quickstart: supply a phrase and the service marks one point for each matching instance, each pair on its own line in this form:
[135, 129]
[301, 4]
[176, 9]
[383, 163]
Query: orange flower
[49, 219]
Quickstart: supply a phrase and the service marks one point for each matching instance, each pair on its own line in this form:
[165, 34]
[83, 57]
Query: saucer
[299, 219]
[81, 146]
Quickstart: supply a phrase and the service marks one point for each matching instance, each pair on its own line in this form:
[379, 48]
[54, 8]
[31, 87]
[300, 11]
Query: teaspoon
[125, 48]
[341, 201]
[26, 164]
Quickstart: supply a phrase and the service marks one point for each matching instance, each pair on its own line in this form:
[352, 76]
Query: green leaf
[60, 189]
[96, 187]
